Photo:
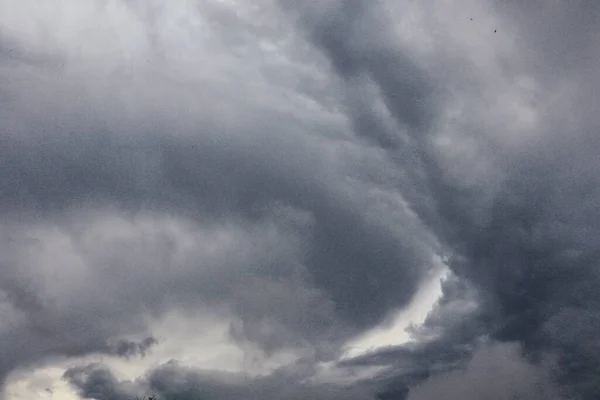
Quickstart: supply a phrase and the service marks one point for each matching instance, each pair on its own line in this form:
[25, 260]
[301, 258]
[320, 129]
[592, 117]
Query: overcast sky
[286, 199]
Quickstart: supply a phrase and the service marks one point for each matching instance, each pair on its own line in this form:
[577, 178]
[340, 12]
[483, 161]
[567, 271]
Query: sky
[278, 199]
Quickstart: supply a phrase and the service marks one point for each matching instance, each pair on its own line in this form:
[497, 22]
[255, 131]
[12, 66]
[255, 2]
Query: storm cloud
[286, 174]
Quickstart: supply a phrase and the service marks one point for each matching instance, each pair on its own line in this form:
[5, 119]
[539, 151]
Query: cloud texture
[292, 171]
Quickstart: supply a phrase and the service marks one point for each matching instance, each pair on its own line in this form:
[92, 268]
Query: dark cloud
[128, 348]
[74, 152]
[526, 241]
[114, 159]
[494, 372]
[172, 381]
[83, 161]
[96, 382]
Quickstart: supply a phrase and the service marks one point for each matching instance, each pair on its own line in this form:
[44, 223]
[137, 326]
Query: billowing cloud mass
[211, 199]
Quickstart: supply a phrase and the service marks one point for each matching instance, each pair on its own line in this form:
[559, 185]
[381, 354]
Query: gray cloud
[96, 382]
[525, 240]
[129, 348]
[71, 162]
[495, 372]
[172, 381]
[117, 153]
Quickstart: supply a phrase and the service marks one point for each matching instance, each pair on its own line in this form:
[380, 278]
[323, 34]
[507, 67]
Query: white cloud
[393, 332]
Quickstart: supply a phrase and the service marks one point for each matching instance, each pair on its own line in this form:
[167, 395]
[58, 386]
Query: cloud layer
[293, 171]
